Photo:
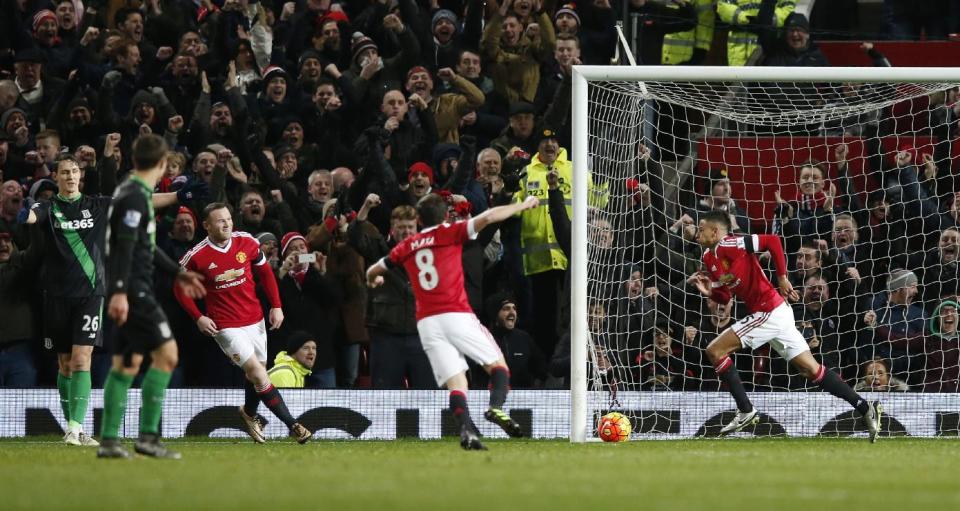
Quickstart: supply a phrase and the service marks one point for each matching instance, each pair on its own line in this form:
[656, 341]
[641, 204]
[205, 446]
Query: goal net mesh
[856, 179]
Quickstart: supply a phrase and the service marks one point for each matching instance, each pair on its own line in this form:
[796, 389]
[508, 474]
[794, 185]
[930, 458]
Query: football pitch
[728, 474]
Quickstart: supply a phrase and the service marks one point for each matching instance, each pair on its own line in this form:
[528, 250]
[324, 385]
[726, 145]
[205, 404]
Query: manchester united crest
[241, 257]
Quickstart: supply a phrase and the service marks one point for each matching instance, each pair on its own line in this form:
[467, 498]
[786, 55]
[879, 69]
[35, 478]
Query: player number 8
[428, 272]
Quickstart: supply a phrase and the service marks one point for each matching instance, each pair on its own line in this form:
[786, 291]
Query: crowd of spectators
[323, 123]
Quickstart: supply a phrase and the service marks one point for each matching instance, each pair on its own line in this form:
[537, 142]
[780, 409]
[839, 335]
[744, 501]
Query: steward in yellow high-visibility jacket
[538, 242]
[291, 367]
[691, 47]
[741, 42]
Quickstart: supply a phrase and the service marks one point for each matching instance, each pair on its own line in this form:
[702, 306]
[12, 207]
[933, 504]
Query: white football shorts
[241, 342]
[778, 328]
[448, 337]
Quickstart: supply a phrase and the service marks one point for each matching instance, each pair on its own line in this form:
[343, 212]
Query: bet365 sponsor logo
[74, 225]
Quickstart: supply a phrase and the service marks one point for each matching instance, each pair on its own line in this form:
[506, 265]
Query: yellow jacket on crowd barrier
[678, 47]
[538, 243]
[287, 372]
[742, 43]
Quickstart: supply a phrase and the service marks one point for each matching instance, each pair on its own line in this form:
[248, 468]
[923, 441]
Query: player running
[228, 260]
[72, 229]
[732, 269]
[447, 326]
[143, 327]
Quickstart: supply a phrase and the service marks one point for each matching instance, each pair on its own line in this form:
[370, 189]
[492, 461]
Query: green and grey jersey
[74, 238]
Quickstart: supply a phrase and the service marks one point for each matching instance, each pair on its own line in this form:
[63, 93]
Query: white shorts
[240, 343]
[447, 337]
[778, 328]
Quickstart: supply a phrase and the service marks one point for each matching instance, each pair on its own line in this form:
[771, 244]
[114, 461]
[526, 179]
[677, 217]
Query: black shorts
[69, 322]
[146, 328]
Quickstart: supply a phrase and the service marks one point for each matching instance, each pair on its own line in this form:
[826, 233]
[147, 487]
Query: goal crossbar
[582, 75]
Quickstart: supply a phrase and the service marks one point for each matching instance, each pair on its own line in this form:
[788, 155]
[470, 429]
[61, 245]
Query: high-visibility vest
[740, 43]
[538, 242]
[678, 47]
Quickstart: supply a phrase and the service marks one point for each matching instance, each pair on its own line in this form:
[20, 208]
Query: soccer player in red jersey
[228, 260]
[731, 269]
[447, 326]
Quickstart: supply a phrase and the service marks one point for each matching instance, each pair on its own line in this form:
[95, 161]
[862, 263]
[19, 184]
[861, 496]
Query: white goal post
[587, 151]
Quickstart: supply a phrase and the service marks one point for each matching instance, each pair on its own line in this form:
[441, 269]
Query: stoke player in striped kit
[731, 269]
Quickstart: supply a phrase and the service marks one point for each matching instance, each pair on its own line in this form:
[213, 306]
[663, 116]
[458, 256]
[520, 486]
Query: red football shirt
[432, 258]
[734, 268]
[228, 276]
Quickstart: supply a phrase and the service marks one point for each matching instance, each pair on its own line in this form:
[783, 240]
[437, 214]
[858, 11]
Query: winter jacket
[16, 310]
[287, 372]
[516, 71]
[448, 108]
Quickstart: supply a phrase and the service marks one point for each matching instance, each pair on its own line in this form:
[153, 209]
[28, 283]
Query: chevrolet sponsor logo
[229, 275]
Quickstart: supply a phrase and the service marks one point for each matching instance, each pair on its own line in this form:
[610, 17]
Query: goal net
[851, 167]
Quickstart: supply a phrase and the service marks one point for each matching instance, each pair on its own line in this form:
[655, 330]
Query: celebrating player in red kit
[233, 317]
[447, 326]
[732, 269]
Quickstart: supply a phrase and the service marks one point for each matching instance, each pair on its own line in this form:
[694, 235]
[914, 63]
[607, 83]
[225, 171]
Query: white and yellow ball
[614, 427]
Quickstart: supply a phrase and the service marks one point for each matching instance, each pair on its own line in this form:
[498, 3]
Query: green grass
[734, 474]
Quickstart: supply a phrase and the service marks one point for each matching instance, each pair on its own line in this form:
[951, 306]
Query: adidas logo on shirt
[212, 266]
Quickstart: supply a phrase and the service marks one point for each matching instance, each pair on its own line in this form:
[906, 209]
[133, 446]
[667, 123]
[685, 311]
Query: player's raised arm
[501, 213]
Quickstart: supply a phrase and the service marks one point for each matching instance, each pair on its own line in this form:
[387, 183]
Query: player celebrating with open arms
[72, 229]
[732, 269]
[142, 325]
[447, 326]
[228, 260]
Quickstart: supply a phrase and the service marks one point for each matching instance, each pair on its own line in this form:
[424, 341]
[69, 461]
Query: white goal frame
[579, 431]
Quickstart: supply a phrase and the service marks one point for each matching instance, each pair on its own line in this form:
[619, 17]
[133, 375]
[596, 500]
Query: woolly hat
[144, 96]
[7, 114]
[266, 236]
[359, 44]
[272, 71]
[899, 279]
[42, 16]
[283, 149]
[289, 238]
[568, 9]
[309, 54]
[417, 69]
[422, 168]
[443, 14]
[183, 210]
[298, 339]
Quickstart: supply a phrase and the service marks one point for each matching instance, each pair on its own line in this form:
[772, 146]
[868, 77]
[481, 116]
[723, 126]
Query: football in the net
[614, 427]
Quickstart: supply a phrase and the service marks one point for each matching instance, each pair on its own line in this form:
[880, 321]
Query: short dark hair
[719, 218]
[149, 151]
[432, 210]
[213, 206]
[123, 13]
[62, 157]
